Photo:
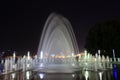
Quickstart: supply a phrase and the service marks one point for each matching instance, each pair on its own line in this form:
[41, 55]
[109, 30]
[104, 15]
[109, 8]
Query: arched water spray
[57, 42]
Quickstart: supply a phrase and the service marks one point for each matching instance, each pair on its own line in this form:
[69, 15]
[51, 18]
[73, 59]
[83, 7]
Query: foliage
[104, 36]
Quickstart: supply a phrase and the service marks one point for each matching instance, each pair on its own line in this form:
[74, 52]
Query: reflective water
[80, 75]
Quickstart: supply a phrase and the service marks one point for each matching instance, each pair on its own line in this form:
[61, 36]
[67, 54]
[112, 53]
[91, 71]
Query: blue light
[115, 72]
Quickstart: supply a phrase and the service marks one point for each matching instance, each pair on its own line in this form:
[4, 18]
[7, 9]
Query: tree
[104, 36]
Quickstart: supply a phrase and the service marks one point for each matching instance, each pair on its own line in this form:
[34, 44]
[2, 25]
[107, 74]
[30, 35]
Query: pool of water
[78, 75]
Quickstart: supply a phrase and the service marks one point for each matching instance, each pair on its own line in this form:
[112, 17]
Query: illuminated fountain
[24, 63]
[57, 45]
[58, 52]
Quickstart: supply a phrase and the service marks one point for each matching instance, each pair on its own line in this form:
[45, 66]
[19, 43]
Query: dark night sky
[21, 22]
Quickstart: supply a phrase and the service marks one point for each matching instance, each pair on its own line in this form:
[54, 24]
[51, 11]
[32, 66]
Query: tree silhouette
[104, 36]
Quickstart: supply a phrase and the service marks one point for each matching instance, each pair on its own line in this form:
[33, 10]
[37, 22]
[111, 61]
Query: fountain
[57, 45]
[58, 53]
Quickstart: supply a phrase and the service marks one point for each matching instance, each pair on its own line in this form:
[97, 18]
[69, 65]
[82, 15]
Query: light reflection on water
[115, 72]
[41, 75]
[80, 75]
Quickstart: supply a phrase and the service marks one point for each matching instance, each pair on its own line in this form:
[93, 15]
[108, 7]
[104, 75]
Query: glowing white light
[73, 75]
[28, 54]
[41, 55]
[41, 75]
[86, 75]
[24, 56]
[14, 55]
[72, 54]
[100, 75]
[85, 51]
[27, 75]
[13, 75]
[99, 52]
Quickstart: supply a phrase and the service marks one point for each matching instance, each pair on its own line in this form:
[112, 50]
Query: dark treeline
[104, 36]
